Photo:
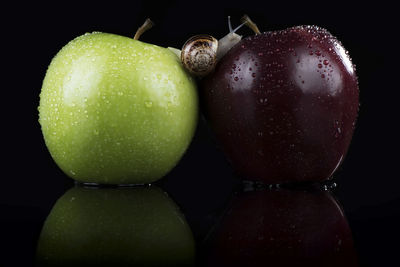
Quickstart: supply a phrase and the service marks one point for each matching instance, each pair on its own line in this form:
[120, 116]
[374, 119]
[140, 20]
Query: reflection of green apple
[115, 227]
[115, 110]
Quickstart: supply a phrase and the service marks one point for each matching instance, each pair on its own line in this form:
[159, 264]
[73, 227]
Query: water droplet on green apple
[148, 104]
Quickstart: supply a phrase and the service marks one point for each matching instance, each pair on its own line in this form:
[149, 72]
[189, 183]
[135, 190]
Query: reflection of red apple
[283, 105]
[282, 228]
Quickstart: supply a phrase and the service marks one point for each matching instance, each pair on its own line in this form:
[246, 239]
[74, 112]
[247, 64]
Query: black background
[368, 181]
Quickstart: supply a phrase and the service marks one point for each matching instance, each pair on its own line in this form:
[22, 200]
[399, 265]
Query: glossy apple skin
[283, 105]
[115, 227]
[282, 228]
[114, 110]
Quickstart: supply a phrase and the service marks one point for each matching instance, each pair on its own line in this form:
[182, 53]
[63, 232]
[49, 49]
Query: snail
[200, 53]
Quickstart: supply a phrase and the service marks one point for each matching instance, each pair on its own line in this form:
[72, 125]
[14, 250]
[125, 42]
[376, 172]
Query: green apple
[115, 227]
[115, 110]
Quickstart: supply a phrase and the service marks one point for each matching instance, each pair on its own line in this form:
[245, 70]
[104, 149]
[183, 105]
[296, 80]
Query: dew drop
[326, 62]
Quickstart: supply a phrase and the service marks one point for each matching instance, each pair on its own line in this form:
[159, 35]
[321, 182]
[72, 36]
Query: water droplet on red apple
[253, 75]
[326, 62]
[320, 65]
[236, 78]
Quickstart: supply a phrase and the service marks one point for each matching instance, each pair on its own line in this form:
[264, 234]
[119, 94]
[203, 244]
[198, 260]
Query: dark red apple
[283, 105]
[282, 228]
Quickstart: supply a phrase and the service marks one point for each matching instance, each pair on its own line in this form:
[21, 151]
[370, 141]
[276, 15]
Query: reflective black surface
[201, 184]
[257, 225]
[138, 226]
[282, 227]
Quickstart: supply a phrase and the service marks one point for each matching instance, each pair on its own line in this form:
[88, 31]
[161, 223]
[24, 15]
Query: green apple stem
[146, 25]
[249, 23]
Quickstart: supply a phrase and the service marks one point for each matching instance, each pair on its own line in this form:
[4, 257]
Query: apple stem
[249, 23]
[146, 25]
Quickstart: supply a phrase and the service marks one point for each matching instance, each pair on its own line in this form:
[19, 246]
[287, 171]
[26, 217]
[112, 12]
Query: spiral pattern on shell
[199, 54]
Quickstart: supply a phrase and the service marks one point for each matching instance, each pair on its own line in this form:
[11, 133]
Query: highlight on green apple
[115, 110]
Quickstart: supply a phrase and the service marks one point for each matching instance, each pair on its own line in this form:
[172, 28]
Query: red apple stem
[146, 26]
[249, 23]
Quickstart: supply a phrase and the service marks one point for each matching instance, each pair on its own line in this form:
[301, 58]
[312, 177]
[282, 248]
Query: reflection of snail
[201, 53]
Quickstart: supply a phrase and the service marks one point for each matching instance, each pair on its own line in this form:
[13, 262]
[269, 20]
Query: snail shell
[199, 54]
